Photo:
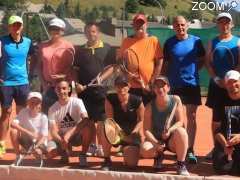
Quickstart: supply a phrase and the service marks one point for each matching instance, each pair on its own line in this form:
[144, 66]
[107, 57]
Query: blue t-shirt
[225, 55]
[13, 60]
[182, 57]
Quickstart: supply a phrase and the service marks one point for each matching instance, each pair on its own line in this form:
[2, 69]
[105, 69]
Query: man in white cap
[46, 52]
[222, 56]
[14, 84]
[30, 126]
[226, 154]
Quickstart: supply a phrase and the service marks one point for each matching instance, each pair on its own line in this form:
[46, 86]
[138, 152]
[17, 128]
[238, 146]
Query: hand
[166, 135]
[220, 82]
[235, 139]
[160, 147]
[80, 88]
[228, 149]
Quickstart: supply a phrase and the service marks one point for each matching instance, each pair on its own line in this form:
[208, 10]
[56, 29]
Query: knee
[180, 132]
[131, 155]
[147, 150]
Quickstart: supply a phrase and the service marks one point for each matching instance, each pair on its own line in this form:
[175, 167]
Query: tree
[131, 6]
[61, 10]
[153, 3]
[77, 11]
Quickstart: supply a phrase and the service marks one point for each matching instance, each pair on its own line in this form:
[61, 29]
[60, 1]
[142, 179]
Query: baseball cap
[232, 74]
[139, 17]
[121, 80]
[224, 14]
[13, 19]
[57, 22]
[34, 95]
[161, 78]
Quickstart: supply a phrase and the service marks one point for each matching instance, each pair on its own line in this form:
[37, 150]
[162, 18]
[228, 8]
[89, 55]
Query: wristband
[216, 79]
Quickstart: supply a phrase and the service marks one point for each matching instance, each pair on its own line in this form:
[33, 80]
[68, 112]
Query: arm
[238, 65]
[140, 116]
[201, 54]
[208, 61]
[16, 126]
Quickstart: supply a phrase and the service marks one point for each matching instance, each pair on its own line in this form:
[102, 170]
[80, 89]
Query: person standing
[90, 59]
[183, 58]
[46, 51]
[14, 75]
[150, 56]
[218, 63]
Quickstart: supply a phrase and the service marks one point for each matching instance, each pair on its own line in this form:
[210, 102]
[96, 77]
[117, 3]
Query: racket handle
[229, 157]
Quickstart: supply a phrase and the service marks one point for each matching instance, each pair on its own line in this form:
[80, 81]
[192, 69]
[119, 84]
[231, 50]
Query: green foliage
[153, 2]
[132, 6]
[77, 10]
[61, 10]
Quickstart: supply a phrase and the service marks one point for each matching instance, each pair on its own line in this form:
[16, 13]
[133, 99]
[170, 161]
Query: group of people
[168, 86]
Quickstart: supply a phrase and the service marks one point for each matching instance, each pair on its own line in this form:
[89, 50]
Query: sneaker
[2, 148]
[182, 170]
[82, 160]
[92, 150]
[191, 158]
[18, 160]
[158, 162]
[99, 151]
[107, 164]
[209, 155]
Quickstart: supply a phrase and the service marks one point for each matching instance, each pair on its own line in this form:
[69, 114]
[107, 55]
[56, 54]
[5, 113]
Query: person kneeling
[69, 125]
[157, 134]
[127, 110]
[30, 128]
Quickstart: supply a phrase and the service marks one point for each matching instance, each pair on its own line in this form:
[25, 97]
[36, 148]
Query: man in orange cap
[149, 53]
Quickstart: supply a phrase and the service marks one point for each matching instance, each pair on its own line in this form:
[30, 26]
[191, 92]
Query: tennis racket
[170, 119]
[61, 64]
[130, 64]
[228, 112]
[225, 59]
[113, 132]
[39, 161]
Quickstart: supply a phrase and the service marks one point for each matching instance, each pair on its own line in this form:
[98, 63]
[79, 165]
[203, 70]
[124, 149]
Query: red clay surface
[202, 146]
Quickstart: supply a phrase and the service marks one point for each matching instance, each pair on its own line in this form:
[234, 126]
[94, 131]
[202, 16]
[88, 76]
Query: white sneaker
[182, 170]
[91, 150]
[18, 160]
[99, 151]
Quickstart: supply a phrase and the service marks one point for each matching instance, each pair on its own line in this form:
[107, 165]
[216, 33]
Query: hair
[179, 17]
[89, 24]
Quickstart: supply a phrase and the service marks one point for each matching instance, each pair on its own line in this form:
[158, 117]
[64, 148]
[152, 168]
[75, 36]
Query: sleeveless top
[159, 117]
[225, 55]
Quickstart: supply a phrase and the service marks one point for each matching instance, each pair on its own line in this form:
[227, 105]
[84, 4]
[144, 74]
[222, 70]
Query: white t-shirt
[68, 115]
[37, 124]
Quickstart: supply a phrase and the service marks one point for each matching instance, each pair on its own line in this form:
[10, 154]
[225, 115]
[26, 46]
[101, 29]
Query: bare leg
[179, 143]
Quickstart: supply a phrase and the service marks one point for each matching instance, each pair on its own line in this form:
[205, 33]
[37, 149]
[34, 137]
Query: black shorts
[216, 95]
[188, 94]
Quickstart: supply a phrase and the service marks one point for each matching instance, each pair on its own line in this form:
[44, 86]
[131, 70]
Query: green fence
[205, 34]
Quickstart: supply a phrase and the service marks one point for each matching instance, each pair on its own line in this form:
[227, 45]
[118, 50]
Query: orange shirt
[148, 50]
[46, 51]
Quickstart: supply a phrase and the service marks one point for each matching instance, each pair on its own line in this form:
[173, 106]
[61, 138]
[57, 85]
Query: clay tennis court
[202, 146]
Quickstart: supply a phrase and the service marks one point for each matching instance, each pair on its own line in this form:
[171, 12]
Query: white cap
[224, 14]
[232, 74]
[57, 22]
[34, 95]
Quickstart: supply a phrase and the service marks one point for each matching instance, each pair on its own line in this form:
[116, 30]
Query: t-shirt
[37, 124]
[67, 116]
[149, 52]
[13, 60]
[182, 57]
[47, 52]
[128, 119]
[89, 62]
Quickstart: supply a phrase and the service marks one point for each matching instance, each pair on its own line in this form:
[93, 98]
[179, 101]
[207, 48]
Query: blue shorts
[17, 93]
